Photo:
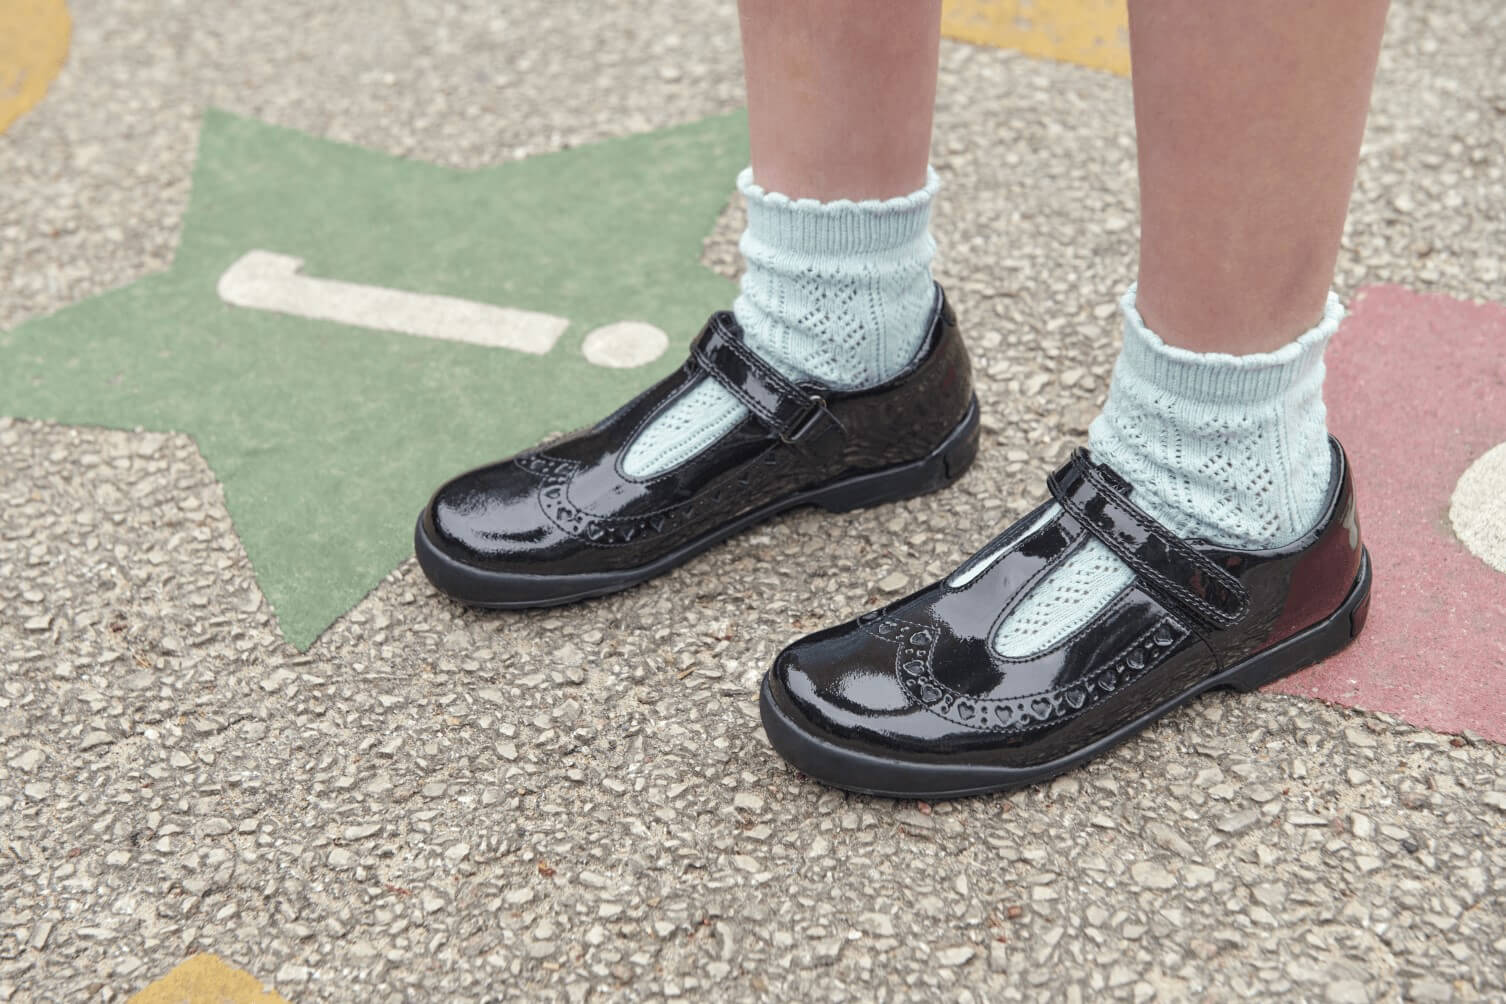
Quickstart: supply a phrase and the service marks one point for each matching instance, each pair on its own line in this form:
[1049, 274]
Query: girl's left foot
[915, 700]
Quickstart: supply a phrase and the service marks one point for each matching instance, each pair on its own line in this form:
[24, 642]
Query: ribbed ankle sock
[838, 293]
[1230, 449]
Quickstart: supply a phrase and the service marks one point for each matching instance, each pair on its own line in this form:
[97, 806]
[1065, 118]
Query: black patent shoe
[564, 522]
[912, 700]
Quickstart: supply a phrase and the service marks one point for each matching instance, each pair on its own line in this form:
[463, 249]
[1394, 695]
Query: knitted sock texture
[1230, 449]
[838, 293]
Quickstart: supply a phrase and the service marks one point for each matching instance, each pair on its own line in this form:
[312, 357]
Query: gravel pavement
[439, 804]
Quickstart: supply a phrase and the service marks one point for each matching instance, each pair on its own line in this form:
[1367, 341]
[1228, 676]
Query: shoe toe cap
[489, 515]
[842, 680]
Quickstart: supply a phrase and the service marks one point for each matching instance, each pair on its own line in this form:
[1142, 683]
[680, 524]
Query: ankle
[837, 292]
[1230, 448]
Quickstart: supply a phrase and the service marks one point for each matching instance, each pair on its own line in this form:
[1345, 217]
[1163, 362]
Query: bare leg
[840, 94]
[1249, 120]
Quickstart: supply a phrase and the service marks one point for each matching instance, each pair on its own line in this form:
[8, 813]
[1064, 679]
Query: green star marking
[329, 438]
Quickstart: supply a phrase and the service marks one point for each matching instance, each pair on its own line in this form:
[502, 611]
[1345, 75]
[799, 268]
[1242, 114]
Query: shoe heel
[945, 464]
[1328, 637]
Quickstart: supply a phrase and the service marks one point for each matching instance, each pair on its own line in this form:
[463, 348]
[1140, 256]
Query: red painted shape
[1416, 392]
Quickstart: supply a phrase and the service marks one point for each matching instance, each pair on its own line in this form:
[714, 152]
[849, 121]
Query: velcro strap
[1095, 496]
[787, 409]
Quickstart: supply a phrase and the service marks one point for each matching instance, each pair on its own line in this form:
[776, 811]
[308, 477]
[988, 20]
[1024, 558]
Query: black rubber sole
[824, 758]
[481, 587]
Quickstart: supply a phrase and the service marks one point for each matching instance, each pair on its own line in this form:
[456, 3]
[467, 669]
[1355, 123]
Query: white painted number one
[265, 280]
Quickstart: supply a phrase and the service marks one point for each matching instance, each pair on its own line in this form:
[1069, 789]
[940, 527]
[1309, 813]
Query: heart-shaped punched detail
[1135, 659]
[1074, 696]
[930, 695]
[914, 667]
[1041, 707]
[964, 711]
[1163, 636]
[923, 638]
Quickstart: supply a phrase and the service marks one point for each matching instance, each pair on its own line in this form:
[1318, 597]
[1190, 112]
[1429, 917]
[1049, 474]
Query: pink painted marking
[1416, 392]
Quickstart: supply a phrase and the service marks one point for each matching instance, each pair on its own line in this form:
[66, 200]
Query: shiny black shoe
[912, 701]
[564, 522]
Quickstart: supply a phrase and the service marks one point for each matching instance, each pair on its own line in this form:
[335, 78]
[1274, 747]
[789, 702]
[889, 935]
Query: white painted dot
[1478, 508]
[624, 344]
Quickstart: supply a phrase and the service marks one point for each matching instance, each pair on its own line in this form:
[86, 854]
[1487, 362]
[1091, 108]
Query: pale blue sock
[1231, 449]
[838, 293]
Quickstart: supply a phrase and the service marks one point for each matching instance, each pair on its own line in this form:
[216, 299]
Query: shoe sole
[825, 759]
[494, 590]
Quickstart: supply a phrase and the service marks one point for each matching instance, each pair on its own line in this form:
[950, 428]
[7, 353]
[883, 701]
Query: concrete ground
[437, 804]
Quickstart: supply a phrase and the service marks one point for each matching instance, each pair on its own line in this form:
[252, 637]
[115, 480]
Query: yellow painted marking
[207, 979]
[1091, 32]
[33, 42]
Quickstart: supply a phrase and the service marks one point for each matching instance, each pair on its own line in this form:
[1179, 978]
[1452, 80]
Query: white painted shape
[624, 344]
[265, 280]
[1478, 507]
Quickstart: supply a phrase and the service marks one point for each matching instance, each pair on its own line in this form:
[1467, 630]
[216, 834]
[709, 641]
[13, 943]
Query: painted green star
[329, 434]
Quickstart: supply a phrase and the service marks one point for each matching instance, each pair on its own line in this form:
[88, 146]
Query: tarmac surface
[432, 803]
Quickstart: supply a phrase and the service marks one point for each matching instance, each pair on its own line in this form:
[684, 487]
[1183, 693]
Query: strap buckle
[788, 410]
[802, 424]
